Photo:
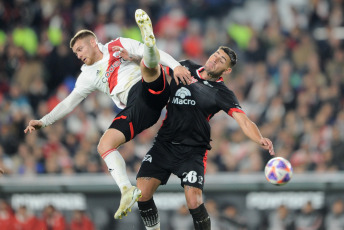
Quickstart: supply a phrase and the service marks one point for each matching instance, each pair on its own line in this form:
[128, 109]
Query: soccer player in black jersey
[183, 140]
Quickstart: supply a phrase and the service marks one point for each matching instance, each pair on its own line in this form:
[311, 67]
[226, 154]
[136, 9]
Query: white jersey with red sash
[111, 75]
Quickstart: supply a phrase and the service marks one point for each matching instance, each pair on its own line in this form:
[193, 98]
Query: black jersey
[190, 108]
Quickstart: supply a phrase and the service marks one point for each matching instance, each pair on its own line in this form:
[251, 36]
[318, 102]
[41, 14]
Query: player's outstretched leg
[151, 55]
[128, 199]
[117, 168]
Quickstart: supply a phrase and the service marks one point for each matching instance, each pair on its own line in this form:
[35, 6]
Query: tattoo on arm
[135, 58]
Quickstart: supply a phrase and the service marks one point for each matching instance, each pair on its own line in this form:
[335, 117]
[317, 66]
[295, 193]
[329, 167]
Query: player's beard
[213, 74]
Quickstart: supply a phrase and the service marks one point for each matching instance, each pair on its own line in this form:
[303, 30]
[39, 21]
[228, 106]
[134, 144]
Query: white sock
[151, 56]
[117, 168]
[155, 227]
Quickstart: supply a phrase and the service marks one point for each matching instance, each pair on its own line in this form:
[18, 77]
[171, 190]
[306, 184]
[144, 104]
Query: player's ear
[228, 70]
[93, 42]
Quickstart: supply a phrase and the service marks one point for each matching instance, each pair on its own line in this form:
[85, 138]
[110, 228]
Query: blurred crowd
[224, 216]
[289, 79]
[50, 218]
[228, 216]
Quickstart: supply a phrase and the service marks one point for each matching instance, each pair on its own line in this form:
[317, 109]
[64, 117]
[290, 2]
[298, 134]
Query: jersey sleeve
[84, 86]
[168, 60]
[63, 108]
[132, 46]
[136, 48]
[227, 101]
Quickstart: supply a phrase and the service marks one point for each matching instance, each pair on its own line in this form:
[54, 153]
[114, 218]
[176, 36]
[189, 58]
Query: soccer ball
[278, 171]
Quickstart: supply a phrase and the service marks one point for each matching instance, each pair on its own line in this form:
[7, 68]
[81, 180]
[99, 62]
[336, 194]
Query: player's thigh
[112, 138]
[155, 94]
[149, 74]
[148, 186]
[191, 171]
[193, 196]
[155, 164]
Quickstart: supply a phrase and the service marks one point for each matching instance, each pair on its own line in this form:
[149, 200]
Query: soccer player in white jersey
[111, 69]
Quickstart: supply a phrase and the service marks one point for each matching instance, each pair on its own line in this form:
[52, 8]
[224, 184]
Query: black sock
[200, 218]
[149, 213]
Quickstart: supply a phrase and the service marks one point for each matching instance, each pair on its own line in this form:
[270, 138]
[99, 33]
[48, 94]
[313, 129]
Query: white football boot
[128, 199]
[145, 25]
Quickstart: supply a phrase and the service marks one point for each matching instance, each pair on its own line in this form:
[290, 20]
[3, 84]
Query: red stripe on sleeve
[230, 112]
[120, 117]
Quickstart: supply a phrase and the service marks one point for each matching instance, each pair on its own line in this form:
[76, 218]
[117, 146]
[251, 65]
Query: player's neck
[99, 56]
[209, 77]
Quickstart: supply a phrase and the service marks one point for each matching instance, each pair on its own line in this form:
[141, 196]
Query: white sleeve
[136, 48]
[132, 46]
[168, 60]
[63, 108]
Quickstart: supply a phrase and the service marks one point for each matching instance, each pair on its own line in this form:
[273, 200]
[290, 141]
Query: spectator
[232, 219]
[6, 216]
[53, 219]
[181, 219]
[25, 220]
[281, 219]
[334, 220]
[80, 221]
[308, 218]
[214, 213]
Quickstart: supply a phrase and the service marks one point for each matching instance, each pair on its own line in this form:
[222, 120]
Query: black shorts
[187, 162]
[145, 102]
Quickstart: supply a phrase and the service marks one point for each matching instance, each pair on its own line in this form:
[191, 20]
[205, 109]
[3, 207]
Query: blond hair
[80, 35]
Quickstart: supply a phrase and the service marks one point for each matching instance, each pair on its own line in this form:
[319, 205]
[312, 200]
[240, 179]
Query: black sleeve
[227, 101]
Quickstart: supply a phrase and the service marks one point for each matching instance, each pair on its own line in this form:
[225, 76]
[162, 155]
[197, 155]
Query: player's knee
[193, 197]
[103, 147]
[145, 194]
[150, 74]
[193, 203]
[145, 197]
[100, 148]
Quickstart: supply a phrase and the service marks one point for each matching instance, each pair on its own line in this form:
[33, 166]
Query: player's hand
[123, 53]
[33, 125]
[183, 74]
[267, 144]
[2, 171]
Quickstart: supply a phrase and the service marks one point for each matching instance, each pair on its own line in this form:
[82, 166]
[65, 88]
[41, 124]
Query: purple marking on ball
[272, 176]
[286, 178]
[281, 165]
[271, 163]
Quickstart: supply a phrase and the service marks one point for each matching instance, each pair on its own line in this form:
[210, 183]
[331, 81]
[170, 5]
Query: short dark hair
[231, 54]
[80, 35]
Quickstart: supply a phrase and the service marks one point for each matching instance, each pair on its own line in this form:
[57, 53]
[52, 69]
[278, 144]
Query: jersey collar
[199, 72]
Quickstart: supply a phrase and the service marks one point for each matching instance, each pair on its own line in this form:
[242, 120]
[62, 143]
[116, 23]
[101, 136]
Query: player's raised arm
[135, 52]
[61, 110]
[251, 130]
[179, 72]
[126, 55]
